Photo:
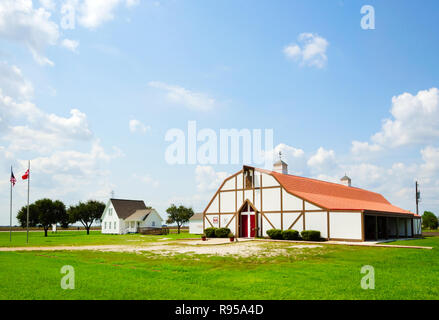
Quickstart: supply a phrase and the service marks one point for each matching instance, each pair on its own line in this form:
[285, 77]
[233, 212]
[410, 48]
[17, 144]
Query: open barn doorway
[376, 228]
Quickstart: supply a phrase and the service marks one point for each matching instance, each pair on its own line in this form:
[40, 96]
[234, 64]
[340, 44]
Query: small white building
[127, 216]
[196, 224]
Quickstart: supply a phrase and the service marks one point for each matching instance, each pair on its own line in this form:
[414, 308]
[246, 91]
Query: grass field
[328, 272]
[80, 238]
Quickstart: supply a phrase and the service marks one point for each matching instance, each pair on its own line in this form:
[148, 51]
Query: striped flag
[13, 180]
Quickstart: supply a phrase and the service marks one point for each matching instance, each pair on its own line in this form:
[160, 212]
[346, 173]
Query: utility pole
[418, 196]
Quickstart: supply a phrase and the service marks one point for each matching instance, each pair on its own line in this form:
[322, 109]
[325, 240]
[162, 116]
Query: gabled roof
[125, 208]
[333, 196]
[139, 215]
[197, 216]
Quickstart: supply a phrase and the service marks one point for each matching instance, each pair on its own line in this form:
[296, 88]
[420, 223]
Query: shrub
[210, 232]
[275, 234]
[311, 235]
[290, 235]
[222, 232]
[231, 235]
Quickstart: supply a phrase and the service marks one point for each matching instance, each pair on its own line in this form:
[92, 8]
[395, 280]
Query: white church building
[253, 200]
[123, 216]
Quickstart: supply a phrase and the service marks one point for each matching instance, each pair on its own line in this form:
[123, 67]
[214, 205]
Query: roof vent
[280, 166]
[346, 181]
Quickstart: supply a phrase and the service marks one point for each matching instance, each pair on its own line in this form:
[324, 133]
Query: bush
[222, 232]
[275, 234]
[210, 232]
[290, 235]
[311, 235]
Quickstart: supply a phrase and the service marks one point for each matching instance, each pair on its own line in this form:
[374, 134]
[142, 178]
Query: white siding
[229, 184]
[196, 226]
[271, 199]
[289, 218]
[268, 181]
[345, 225]
[228, 201]
[239, 180]
[213, 208]
[248, 194]
[291, 202]
[309, 206]
[274, 219]
[214, 220]
[317, 221]
[225, 219]
[110, 223]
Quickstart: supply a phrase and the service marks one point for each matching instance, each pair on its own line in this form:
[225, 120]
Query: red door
[252, 226]
[244, 226]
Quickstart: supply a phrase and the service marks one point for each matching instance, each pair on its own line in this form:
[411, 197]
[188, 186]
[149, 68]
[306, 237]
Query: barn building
[123, 216]
[253, 200]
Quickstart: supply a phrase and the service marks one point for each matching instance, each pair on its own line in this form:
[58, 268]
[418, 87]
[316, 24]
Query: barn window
[249, 174]
[110, 211]
[153, 223]
[114, 224]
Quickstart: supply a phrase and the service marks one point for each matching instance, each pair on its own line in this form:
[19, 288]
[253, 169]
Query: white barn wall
[289, 218]
[291, 202]
[213, 208]
[345, 225]
[271, 199]
[317, 221]
[227, 202]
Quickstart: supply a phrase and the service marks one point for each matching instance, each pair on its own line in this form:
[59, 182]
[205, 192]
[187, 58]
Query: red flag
[26, 175]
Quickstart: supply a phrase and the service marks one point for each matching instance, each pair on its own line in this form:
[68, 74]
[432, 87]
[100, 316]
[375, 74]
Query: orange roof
[333, 196]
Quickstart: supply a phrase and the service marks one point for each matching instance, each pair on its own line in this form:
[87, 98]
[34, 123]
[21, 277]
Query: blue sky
[224, 64]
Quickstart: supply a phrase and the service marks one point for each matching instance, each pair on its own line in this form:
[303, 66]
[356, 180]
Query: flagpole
[27, 218]
[10, 213]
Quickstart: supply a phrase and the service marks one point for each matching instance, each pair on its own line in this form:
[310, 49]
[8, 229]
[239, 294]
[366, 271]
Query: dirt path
[222, 248]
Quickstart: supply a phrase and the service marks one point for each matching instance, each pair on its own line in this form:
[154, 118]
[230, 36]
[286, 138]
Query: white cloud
[12, 82]
[362, 148]
[69, 44]
[415, 120]
[322, 160]
[311, 50]
[136, 126]
[190, 99]
[147, 179]
[207, 178]
[21, 22]
[48, 4]
[93, 13]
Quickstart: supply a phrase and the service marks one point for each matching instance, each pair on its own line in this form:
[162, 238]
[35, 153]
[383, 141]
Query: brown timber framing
[262, 213]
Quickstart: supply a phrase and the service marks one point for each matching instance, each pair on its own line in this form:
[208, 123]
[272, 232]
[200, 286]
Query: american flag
[13, 180]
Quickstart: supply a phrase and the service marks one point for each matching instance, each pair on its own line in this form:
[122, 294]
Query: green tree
[86, 213]
[43, 213]
[429, 220]
[179, 215]
[33, 216]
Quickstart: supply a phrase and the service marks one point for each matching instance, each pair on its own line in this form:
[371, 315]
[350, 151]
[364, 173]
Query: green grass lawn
[329, 272]
[80, 238]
